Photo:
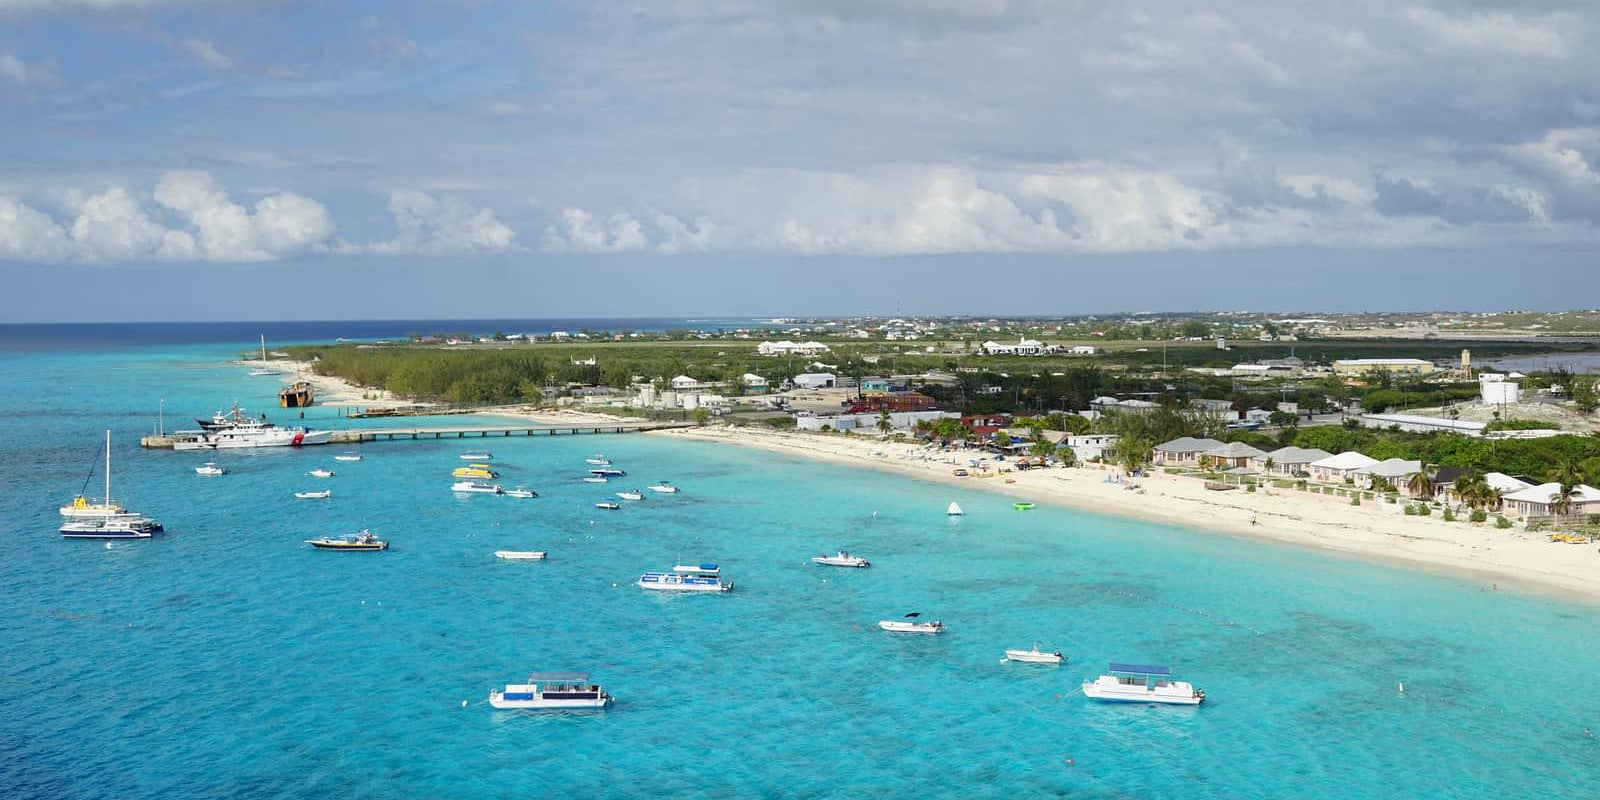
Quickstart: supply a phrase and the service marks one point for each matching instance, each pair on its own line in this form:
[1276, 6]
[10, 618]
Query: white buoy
[108, 545]
[463, 704]
[1402, 687]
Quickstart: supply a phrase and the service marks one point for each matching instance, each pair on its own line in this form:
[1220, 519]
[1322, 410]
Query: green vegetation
[1520, 425]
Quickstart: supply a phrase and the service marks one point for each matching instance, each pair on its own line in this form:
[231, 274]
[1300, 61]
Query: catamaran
[81, 508]
[118, 526]
[1142, 683]
[551, 690]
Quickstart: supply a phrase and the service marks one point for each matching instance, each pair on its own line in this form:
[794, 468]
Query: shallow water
[228, 659]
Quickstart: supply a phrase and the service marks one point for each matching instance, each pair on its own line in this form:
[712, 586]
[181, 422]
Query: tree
[700, 415]
[885, 423]
[1585, 396]
[1283, 419]
[1132, 452]
[1041, 448]
[1420, 485]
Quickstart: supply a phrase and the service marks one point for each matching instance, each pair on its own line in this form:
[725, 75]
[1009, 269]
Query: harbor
[361, 435]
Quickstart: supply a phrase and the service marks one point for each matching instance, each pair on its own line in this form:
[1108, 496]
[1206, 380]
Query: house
[1023, 347]
[1082, 350]
[1184, 450]
[816, 380]
[685, 382]
[1397, 471]
[788, 348]
[1232, 455]
[1222, 408]
[1104, 404]
[1090, 446]
[1289, 460]
[1356, 367]
[753, 383]
[1540, 501]
[1339, 468]
[874, 383]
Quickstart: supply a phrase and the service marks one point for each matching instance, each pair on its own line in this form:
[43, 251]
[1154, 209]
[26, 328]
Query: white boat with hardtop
[520, 491]
[1035, 656]
[631, 494]
[1142, 683]
[843, 558]
[549, 691]
[911, 625]
[210, 468]
[663, 488]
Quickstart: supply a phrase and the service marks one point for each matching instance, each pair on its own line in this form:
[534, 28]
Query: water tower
[1466, 364]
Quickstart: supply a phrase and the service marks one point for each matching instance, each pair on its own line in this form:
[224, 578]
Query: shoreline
[1480, 553]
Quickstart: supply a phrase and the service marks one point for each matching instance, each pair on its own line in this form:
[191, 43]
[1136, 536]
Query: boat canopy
[559, 677]
[1141, 669]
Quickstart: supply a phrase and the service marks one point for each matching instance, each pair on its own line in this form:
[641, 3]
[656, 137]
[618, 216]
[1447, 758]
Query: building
[1444, 483]
[1540, 501]
[1356, 367]
[753, 383]
[1339, 468]
[1090, 446]
[788, 348]
[1495, 390]
[1221, 408]
[1397, 471]
[874, 383]
[895, 401]
[816, 380]
[1082, 350]
[1104, 404]
[1291, 461]
[683, 382]
[1232, 455]
[1182, 451]
[1419, 424]
[1023, 347]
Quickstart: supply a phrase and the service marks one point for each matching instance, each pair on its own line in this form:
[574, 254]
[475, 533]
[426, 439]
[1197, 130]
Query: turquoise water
[227, 659]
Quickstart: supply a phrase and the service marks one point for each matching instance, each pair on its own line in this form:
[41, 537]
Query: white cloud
[206, 54]
[1499, 32]
[578, 231]
[22, 73]
[428, 224]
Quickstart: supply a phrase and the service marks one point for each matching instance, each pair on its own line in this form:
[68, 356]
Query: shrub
[1423, 509]
[1502, 522]
[1367, 495]
[1411, 510]
[1478, 515]
[1250, 488]
[1535, 527]
[1449, 516]
[1355, 500]
[1594, 519]
[781, 423]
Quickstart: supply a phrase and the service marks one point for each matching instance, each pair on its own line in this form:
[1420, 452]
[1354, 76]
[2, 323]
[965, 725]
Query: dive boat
[322, 495]
[520, 555]
[319, 472]
[664, 488]
[210, 468]
[475, 486]
[1142, 683]
[684, 578]
[348, 455]
[1034, 656]
[361, 542]
[475, 471]
[631, 494]
[118, 526]
[607, 472]
[596, 479]
[520, 491]
[477, 456]
[551, 690]
[911, 625]
[81, 508]
[609, 505]
[841, 559]
[598, 460]
[954, 510]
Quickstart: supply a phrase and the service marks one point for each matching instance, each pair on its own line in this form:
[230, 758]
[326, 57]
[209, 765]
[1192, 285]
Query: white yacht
[520, 491]
[596, 479]
[687, 578]
[954, 510]
[598, 460]
[664, 488]
[81, 508]
[210, 468]
[551, 690]
[319, 472]
[470, 487]
[235, 430]
[348, 455]
[843, 558]
[520, 555]
[1034, 656]
[911, 625]
[1142, 683]
[118, 526]
[631, 494]
[322, 495]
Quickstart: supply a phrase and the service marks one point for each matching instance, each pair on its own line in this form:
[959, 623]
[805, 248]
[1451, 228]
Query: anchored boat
[81, 508]
[485, 456]
[361, 542]
[520, 491]
[1034, 656]
[470, 487]
[483, 471]
[610, 505]
[1142, 683]
[684, 578]
[843, 558]
[954, 510]
[520, 555]
[911, 625]
[210, 468]
[664, 488]
[607, 472]
[119, 526]
[631, 494]
[551, 690]
[348, 455]
[322, 495]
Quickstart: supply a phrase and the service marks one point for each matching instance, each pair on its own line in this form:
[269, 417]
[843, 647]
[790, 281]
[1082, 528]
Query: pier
[360, 435]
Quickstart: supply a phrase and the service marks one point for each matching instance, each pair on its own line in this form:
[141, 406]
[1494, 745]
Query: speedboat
[596, 479]
[1034, 656]
[485, 456]
[686, 578]
[598, 460]
[664, 488]
[954, 510]
[210, 468]
[610, 505]
[607, 472]
[119, 526]
[1023, 506]
[362, 542]
[474, 486]
[322, 495]
[1142, 683]
[911, 625]
[841, 559]
[475, 471]
[347, 456]
[631, 494]
[520, 491]
[551, 690]
[520, 555]
[319, 472]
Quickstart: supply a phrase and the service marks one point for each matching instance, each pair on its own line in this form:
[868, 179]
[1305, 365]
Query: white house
[1090, 446]
[1023, 347]
[1182, 450]
[753, 381]
[1397, 471]
[816, 380]
[685, 382]
[1289, 460]
[1082, 350]
[1336, 468]
[788, 348]
[1539, 501]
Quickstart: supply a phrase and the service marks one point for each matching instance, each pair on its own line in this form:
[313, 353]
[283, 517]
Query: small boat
[475, 487]
[1142, 683]
[607, 472]
[551, 690]
[960, 473]
[687, 578]
[912, 626]
[631, 494]
[1034, 656]
[664, 488]
[520, 555]
[210, 468]
[841, 559]
[477, 456]
[320, 473]
[1023, 506]
[483, 471]
[520, 491]
[260, 372]
[610, 505]
[347, 456]
[596, 479]
[954, 510]
[598, 460]
[322, 495]
[118, 526]
[364, 541]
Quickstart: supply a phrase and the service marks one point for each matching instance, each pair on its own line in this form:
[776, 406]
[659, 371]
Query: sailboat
[104, 520]
[954, 510]
[81, 508]
[262, 370]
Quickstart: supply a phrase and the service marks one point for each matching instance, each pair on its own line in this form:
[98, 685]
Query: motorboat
[609, 505]
[319, 472]
[365, 541]
[475, 487]
[911, 625]
[598, 460]
[664, 488]
[119, 526]
[210, 468]
[1023, 506]
[631, 494]
[520, 555]
[954, 510]
[485, 456]
[483, 471]
[551, 690]
[235, 430]
[1142, 683]
[520, 491]
[607, 472]
[348, 456]
[1034, 656]
[596, 479]
[81, 508]
[687, 578]
[841, 559]
[322, 495]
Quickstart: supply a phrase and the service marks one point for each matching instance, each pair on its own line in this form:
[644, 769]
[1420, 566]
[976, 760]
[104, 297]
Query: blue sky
[264, 159]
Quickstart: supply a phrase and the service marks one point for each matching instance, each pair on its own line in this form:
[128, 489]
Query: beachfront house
[1339, 468]
[1444, 483]
[1182, 451]
[816, 380]
[1542, 500]
[1089, 446]
[1397, 471]
[1233, 455]
[1289, 460]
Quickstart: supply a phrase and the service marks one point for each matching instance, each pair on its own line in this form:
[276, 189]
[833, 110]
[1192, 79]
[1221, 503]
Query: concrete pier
[357, 436]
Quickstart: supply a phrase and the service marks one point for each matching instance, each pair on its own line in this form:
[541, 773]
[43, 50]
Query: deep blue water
[227, 659]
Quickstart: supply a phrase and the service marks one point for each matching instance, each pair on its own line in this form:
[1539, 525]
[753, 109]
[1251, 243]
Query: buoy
[1402, 688]
[108, 545]
[463, 704]
[1072, 762]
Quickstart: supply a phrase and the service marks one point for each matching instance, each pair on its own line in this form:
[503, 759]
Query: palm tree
[1420, 485]
[885, 424]
[1268, 464]
[1473, 490]
[1561, 501]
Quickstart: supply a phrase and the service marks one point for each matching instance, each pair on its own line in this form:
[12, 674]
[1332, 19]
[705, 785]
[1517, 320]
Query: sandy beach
[1379, 531]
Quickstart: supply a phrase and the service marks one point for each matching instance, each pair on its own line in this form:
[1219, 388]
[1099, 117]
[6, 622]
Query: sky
[276, 159]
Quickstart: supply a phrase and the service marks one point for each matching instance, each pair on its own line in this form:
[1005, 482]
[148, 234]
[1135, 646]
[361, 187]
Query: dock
[360, 435]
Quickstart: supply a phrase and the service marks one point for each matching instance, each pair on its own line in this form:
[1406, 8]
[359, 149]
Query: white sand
[332, 390]
[1479, 552]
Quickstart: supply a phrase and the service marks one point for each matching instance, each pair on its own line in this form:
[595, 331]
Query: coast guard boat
[687, 578]
[551, 690]
[1142, 683]
[234, 430]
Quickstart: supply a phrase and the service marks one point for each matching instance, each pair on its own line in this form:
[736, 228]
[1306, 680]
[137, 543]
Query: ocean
[225, 658]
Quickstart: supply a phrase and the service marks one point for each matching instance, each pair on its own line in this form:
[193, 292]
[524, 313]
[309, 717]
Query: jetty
[360, 435]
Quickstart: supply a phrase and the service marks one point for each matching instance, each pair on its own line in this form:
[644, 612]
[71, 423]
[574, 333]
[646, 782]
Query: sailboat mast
[108, 468]
[263, 349]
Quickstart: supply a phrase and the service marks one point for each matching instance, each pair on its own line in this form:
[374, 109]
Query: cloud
[1568, 160]
[100, 5]
[206, 54]
[1499, 32]
[20, 72]
[190, 219]
[431, 225]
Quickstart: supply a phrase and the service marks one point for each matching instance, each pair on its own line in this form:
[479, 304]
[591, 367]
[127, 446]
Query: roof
[1188, 444]
[1505, 483]
[1141, 669]
[1297, 455]
[558, 677]
[1546, 492]
[1234, 450]
[1376, 362]
[1463, 425]
[1347, 460]
[1392, 468]
[1452, 474]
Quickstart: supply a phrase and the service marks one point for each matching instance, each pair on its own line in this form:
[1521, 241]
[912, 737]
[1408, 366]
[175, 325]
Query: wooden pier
[357, 436]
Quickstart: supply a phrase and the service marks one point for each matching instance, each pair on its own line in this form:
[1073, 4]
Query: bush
[1250, 488]
[1594, 519]
[1449, 516]
[1478, 515]
[1535, 527]
[1356, 500]
[1411, 510]
[1366, 495]
[1502, 522]
[781, 423]
[1423, 510]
